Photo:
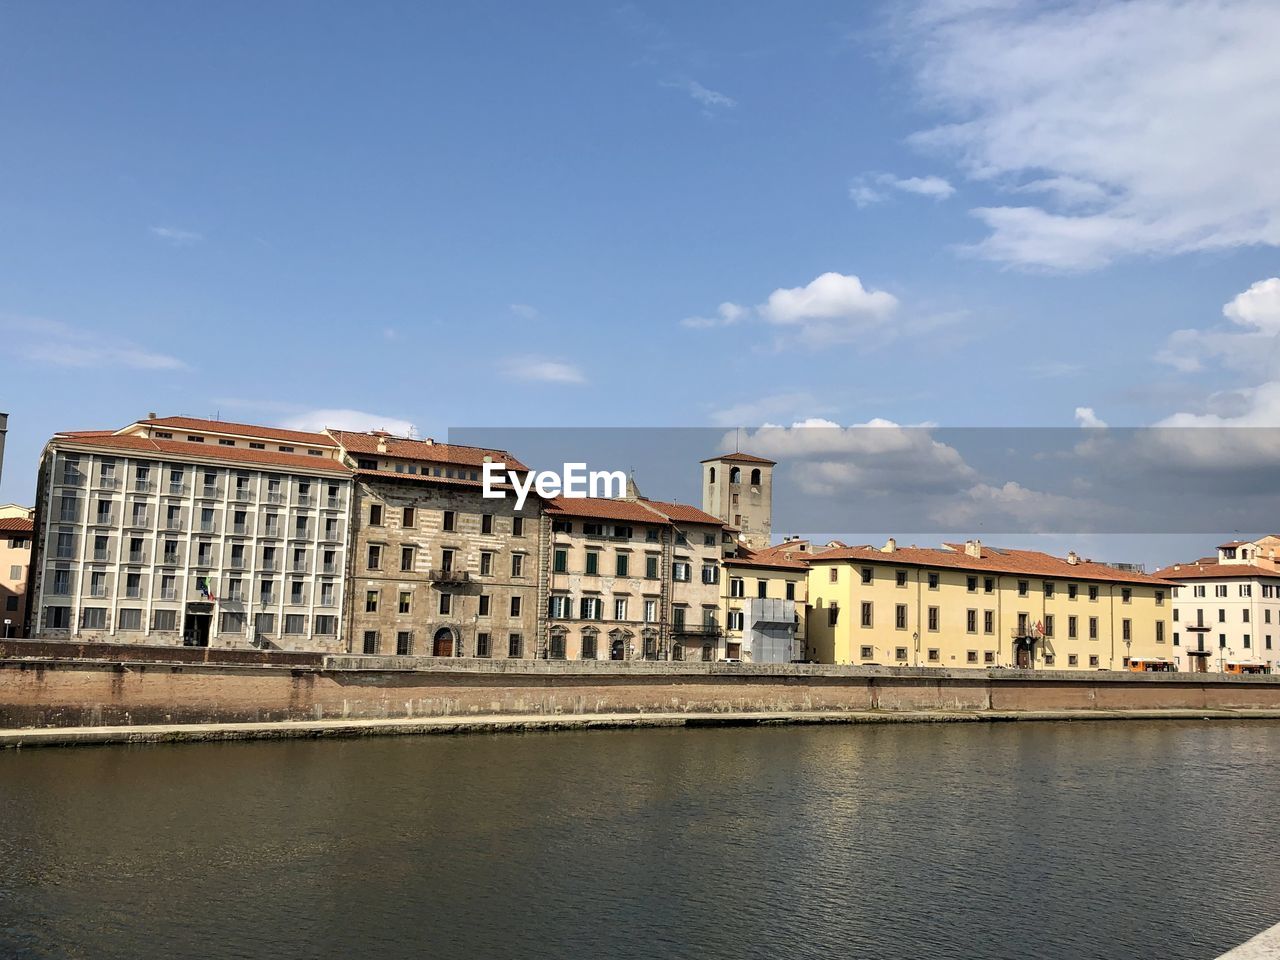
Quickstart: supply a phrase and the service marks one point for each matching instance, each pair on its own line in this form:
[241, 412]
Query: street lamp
[7, 624]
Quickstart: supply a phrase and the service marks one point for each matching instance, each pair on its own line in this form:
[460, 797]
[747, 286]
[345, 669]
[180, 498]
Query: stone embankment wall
[124, 688]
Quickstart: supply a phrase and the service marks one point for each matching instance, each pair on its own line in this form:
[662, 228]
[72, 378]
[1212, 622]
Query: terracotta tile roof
[16, 525]
[1210, 569]
[405, 448]
[603, 508]
[683, 513]
[741, 458]
[206, 451]
[86, 433]
[1031, 563]
[764, 558]
[241, 430]
[1232, 543]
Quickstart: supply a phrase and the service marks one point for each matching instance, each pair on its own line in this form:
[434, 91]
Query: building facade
[184, 531]
[631, 579]
[437, 569]
[970, 605]
[15, 561]
[1226, 608]
[763, 602]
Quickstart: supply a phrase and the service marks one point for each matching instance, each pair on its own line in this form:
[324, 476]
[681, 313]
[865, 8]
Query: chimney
[152, 415]
[382, 444]
[973, 548]
[1073, 558]
[890, 546]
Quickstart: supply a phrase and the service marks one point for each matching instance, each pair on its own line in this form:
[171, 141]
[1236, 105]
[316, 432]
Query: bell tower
[738, 488]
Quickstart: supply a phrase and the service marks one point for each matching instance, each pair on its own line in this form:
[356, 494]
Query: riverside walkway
[529, 723]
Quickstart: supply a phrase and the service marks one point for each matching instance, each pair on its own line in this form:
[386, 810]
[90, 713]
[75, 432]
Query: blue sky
[498, 214]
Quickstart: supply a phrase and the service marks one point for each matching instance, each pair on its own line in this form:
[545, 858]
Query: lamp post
[7, 624]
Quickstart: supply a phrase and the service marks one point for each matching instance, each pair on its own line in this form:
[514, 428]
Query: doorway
[195, 629]
[442, 645]
[1022, 656]
[617, 650]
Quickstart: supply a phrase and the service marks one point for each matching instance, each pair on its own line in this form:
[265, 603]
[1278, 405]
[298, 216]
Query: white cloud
[833, 308]
[1258, 307]
[1087, 418]
[176, 237]
[764, 408]
[710, 99]
[342, 419]
[1035, 511]
[542, 369]
[870, 189]
[524, 311]
[1149, 127]
[727, 314]
[62, 345]
[1249, 345]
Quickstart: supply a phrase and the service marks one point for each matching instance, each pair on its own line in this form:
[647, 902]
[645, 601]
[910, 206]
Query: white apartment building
[1226, 608]
[177, 530]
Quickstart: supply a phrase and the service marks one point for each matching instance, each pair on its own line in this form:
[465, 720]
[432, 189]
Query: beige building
[633, 579]
[438, 569]
[15, 560]
[763, 602]
[198, 532]
[1226, 608]
[970, 605]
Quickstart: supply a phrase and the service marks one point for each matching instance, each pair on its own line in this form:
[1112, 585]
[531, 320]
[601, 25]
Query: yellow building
[15, 561]
[970, 605]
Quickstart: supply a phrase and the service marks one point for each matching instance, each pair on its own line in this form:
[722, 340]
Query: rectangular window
[762, 589]
[620, 608]
[651, 611]
[1048, 625]
[1048, 589]
[515, 645]
[375, 556]
[1072, 590]
[486, 563]
[933, 618]
[900, 578]
[620, 564]
[486, 523]
[866, 575]
[449, 521]
[404, 643]
[736, 587]
[517, 526]
[1093, 595]
[1071, 628]
[900, 617]
[1093, 659]
[515, 606]
[406, 601]
[164, 620]
[560, 561]
[407, 519]
[971, 584]
[988, 656]
[483, 645]
[483, 608]
[899, 653]
[517, 564]
[934, 655]
[971, 621]
[589, 647]
[1126, 594]
[593, 563]
[375, 514]
[406, 558]
[131, 619]
[866, 613]
[1093, 628]
[971, 656]
[371, 601]
[833, 615]
[370, 642]
[791, 590]
[446, 604]
[1023, 587]
[1159, 631]
[1072, 659]
[651, 568]
[1126, 629]
[988, 584]
[933, 581]
[867, 652]
[94, 618]
[680, 571]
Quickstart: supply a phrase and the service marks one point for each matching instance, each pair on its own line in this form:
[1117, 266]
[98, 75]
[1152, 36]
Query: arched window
[712, 475]
[755, 477]
[735, 475]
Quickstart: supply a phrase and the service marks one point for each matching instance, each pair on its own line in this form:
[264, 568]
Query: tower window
[755, 477]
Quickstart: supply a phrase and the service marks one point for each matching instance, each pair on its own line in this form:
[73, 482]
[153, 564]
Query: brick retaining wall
[96, 692]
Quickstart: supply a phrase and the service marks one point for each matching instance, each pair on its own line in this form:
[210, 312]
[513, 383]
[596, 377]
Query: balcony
[449, 576]
[140, 520]
[272, 531]
[236, 563]
[108, 483]
[101, 556]
[327, 602]
[696, 629]
[69, 516]
[268, 565]
[244, 493]
[72, 479]
[333, 503]
[1025, 631]
[173, 523]
[330, 568]
[208, 526]
[142, 486]
[177, 489]
[298, 566]
[137, 556]
[305, 500]
[208, 492]
[170, 594]
[105, 519]
[275, 496]
[266, 599]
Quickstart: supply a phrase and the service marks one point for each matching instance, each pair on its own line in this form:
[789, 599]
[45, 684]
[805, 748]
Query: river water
[1055, 840]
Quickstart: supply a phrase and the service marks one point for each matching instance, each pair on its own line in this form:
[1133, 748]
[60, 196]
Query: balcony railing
[142, 486]
[170, 559]
[177, 489]
[104, 519]
[108, 483]
[244, 493]
[299, 566]
[304, 500]
[449, 576]
[275, 496]
[72, 479]
[208, 526]
[329, 568]
[273, 532]
[269, 565]
[240, 529]
[137, 556]
[267, 599]
[100, 555]
[698, 629]
[173, 523]
[333, 503]
[139, 520]
[327, 602]
[69, 516]
[236, 563]
[170, 594]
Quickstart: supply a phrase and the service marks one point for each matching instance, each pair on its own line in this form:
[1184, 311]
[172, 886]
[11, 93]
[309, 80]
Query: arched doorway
[442, 644]
[618, 650]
